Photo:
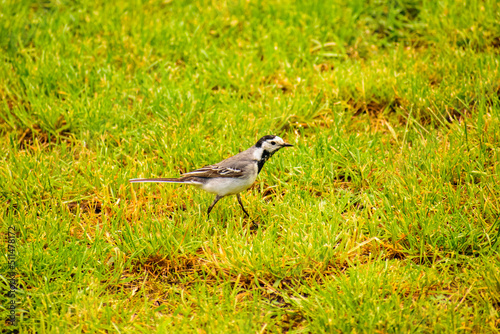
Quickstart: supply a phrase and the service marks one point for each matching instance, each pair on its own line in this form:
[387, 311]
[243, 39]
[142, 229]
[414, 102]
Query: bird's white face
[274, 144]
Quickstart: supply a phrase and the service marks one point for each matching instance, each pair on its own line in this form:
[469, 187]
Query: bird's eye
[273, 143]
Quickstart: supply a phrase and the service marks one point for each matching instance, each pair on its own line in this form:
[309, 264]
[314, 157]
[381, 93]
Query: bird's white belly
[227, 186]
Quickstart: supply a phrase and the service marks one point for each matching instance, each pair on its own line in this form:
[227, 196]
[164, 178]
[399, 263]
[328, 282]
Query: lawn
[383, 218]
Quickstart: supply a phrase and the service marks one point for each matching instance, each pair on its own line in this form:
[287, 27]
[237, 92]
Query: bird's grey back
[240, 160]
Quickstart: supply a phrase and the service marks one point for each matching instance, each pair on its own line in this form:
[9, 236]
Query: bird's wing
[215, 171]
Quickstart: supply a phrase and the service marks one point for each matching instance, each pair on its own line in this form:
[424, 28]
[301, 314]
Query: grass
[383, 218]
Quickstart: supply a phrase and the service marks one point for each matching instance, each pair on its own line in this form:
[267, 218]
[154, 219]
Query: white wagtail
[230, 176]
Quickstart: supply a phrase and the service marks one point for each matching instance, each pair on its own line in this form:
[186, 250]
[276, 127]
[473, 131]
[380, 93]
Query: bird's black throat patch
[265, 156]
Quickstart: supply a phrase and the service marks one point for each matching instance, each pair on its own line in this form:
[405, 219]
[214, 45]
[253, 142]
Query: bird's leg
[241, 203]
[217, 198]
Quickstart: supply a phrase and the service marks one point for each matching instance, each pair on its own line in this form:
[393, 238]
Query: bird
[232, 175]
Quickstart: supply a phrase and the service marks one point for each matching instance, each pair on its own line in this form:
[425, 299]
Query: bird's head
[271, 143]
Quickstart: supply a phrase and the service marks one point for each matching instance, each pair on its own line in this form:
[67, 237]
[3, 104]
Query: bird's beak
[287, 145]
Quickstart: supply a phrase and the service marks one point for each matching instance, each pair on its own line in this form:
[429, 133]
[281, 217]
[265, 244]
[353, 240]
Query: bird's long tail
[166, 180]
